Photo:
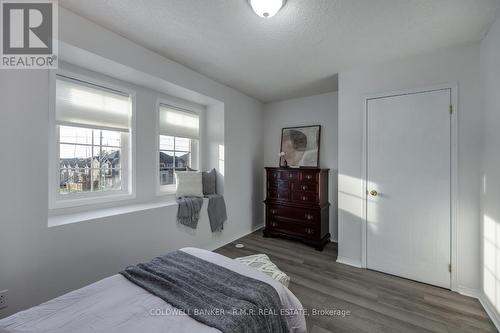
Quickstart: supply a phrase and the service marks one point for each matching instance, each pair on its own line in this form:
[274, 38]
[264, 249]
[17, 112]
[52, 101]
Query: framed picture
[300, 146]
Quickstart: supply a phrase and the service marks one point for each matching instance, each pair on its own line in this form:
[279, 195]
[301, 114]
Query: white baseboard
[466, 291]
[490, 310]
[481, 297]
[348, 261]
[221, 244]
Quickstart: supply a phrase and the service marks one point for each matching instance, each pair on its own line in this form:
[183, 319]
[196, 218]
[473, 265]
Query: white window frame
[170, 189]
[68, 200]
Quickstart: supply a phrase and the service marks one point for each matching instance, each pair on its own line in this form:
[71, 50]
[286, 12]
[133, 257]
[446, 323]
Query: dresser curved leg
[322, 243]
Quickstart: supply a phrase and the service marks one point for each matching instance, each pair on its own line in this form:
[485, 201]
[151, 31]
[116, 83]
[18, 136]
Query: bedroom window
[178, 144]
[92, 134]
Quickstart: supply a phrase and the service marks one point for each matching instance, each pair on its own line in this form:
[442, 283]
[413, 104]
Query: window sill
[98, 199]
[58, 220]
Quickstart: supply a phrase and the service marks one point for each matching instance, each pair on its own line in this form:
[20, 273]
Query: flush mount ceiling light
[266, 8]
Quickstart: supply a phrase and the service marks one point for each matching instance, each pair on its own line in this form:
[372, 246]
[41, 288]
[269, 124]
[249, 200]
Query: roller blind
[178, 122]
[86, 105]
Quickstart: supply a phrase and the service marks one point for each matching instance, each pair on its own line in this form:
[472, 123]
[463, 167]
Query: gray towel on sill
[188, 212]
[216, 211]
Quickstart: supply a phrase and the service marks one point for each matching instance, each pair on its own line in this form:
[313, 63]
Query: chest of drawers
[297, 204]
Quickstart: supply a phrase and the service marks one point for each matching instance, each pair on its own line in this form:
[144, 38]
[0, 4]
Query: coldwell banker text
[29, 34]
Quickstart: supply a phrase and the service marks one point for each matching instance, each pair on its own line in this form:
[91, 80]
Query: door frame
[454, 209]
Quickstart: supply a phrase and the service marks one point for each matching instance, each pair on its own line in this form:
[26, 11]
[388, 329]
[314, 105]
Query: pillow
[262, 263]
[189, 183]
[209, 181]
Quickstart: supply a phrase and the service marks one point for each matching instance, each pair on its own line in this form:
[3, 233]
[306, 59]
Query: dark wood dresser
[297, 205]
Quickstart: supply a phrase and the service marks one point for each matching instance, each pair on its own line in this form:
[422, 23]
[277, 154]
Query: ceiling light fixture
[266, 8]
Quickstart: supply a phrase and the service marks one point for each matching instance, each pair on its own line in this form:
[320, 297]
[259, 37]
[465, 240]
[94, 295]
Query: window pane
[110, 158]
[221, 152]
[182, 160]
[106, 157]
[80, 135]
[75, 180]
[109, 138]
[166, 159]
[95, 176]
[182, 144]
[110, 179]
[175, 155]
[73, 156]
[166, 142]
[167, 176]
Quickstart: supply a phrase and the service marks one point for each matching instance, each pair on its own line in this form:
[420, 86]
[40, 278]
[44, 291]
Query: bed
[115, 304]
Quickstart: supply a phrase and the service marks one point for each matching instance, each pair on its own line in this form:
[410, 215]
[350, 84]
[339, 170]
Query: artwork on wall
[300, 146]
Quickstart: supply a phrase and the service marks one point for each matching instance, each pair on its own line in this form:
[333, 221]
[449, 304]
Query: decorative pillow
[209, 182]
[189, 183]
[262, 263]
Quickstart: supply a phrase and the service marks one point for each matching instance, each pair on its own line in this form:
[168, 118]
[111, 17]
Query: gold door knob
[373, 193]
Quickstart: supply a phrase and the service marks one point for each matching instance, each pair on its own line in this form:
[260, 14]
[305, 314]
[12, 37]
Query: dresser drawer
[283, 175]
[309, 176]
[279, 184]
[278, 193]
[307, 216]
[305, 187]
[292, 228]
[304, 197]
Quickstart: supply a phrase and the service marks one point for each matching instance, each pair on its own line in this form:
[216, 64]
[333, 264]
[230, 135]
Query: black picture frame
[315, 147]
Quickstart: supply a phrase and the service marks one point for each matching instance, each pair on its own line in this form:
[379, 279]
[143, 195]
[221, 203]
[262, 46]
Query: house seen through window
[175, 155]
[178, 143]
[90, 160]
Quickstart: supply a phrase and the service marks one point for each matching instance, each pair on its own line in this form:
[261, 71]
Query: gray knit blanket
[189, 209]
[216, 211]
[211, 294]
[188, 212]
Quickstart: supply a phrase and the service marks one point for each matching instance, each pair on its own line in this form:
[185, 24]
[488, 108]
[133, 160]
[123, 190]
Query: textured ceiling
[298, 51]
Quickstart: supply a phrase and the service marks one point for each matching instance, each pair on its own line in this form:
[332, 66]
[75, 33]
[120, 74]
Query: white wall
[490, 191]
[214, 143]
[313, 110]
[457, 65]
[37, 262]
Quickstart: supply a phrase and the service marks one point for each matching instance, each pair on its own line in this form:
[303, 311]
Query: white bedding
[115, 304]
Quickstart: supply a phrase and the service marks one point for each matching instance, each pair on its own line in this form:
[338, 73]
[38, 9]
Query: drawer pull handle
[304, 187]
[309, 231]
[304, 198]
[290, 176]
[308, 177]
[309, 217]
[273, 211]
[273, 224]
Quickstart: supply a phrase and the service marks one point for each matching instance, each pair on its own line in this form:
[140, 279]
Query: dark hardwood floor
[377, 302]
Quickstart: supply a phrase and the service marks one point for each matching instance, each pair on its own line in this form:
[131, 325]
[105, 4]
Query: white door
[409, 187]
